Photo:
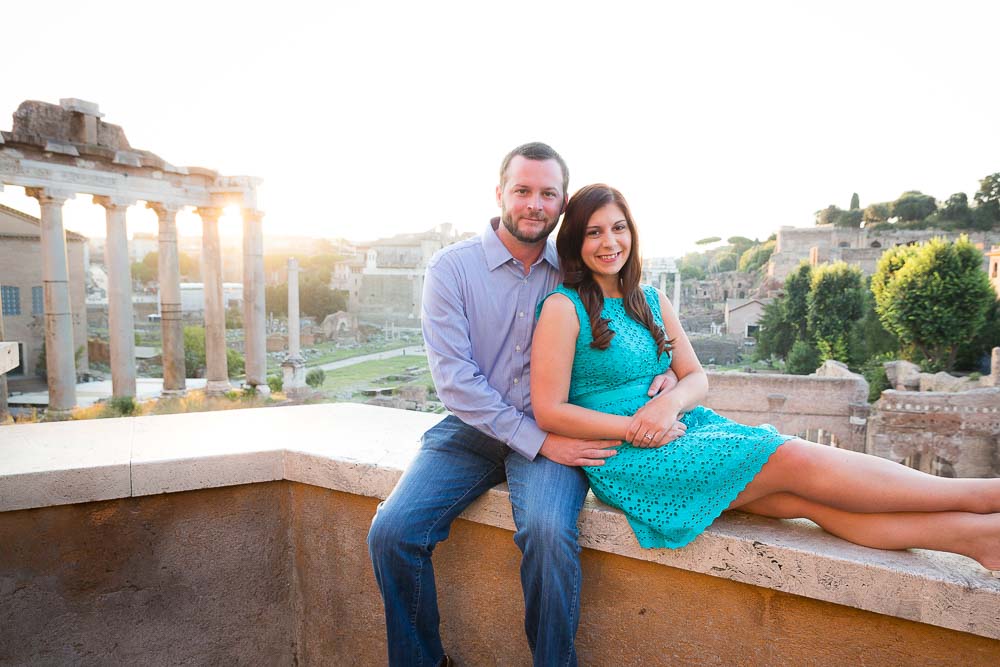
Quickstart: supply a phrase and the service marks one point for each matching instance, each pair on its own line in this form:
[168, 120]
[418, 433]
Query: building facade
[23, 290]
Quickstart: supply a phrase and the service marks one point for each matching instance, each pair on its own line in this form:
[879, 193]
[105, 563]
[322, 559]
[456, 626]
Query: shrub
[803, 358]
[873, 371]
[121, 406]
[275, 383]
[315, 377]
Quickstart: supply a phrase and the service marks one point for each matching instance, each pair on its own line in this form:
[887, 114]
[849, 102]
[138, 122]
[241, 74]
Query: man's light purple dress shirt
[478, 316]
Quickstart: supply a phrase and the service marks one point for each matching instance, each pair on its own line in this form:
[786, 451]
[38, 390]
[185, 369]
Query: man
[478, 315]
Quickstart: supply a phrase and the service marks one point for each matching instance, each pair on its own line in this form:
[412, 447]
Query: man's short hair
[535, 150]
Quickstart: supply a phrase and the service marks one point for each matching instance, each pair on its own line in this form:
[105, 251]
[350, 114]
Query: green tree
[316, 299]
[833, 306]
[869, 338]
[988, 202]
[775, 334]
[707, 240]
[934, 297]
[955, 212]
[194, 351]
[832, 215]
[797, 287]
[188, 267]
[276, 299]
[784, 320]
[724, 261]
[234, 318]
[235, 363]
[855, 202]
[693, 266]
[142, 272]
[827, 215]
[756, 258]
[914, 206]
[877, 213]
[803, 358]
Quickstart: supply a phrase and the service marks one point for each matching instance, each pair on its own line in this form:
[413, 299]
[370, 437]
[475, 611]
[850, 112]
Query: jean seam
[426, 537]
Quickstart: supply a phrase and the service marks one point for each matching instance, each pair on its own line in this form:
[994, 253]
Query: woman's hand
[654, 425]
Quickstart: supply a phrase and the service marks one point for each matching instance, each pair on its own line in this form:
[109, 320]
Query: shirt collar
[498, 255]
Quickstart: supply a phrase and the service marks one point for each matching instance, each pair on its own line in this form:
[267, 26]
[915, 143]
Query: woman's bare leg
[969, 534]
[857, 482]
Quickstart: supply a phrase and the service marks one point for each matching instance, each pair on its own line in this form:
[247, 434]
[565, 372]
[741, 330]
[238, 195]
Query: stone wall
[949, 434]
[858, 247]
[278, 574]
[823, 409]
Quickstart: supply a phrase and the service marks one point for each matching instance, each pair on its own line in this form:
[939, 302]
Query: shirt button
[515, 380]
[517, 348]
[521, 314]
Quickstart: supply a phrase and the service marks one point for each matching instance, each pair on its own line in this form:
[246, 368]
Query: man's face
[531, 198]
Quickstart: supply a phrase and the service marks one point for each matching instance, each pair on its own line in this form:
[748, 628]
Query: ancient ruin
[56, 151]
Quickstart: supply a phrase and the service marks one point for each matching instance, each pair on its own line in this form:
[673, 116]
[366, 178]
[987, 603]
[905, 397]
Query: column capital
[207, 213]
[254, 214]
[113, 201]
[164, 209]
[49, 196]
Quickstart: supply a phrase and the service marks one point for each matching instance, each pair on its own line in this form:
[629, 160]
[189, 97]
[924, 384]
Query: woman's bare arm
[552, 350]
[661, 412]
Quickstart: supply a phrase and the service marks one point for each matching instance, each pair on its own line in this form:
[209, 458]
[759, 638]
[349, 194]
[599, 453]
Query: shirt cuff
[528, 439]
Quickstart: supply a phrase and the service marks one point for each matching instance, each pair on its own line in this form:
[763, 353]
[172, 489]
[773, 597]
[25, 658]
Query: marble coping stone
[362, 450]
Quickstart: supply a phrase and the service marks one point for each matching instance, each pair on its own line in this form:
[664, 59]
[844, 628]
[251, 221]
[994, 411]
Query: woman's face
[607, 241]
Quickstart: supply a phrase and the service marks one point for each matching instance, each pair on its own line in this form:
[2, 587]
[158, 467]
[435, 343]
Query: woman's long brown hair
[569, 242]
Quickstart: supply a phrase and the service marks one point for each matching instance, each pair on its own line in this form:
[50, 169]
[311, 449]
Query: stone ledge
[362, 450]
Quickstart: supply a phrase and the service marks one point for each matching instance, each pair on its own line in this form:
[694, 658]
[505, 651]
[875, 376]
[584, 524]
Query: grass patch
[344, 382]
[324, 353]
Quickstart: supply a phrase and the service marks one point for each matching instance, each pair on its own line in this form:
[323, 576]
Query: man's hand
[573, 452]
[663, 383]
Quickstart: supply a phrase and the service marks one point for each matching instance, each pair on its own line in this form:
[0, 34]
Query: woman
[601, 337]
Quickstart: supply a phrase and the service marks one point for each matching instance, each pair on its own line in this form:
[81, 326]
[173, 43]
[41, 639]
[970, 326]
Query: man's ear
[499, 193]
[565, 201]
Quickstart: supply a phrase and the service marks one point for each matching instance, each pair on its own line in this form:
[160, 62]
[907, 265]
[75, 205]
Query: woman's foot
[984, 546]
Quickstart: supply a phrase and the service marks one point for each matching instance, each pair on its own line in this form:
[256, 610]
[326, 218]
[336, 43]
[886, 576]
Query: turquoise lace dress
[670, 494]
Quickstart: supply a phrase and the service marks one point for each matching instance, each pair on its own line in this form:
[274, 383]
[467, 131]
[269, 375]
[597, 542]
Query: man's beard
[511, 226]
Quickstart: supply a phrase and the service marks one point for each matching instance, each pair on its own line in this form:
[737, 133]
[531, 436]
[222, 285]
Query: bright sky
[366, 119]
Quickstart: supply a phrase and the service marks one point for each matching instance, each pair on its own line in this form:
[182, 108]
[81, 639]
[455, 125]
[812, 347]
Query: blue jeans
[455, 465]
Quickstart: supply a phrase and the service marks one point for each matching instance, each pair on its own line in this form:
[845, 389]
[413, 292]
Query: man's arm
[459, 381]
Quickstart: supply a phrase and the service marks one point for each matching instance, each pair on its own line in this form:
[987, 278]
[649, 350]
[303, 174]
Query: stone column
[677, 293]
[293, 367]
[171, 325]
[217, 372]
[255, 337]
[60, 366]
[121, 326]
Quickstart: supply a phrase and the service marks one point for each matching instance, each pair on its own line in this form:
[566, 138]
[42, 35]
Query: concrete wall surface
[278, 574]
[238, 538]
[196, 578]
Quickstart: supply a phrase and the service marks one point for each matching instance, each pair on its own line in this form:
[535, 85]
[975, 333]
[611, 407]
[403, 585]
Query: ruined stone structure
[828, 410]
[947, 434]
[56, 151]
[391, 285]
[340, 326]
[857, 247]
[662, 273]
[952, 434]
